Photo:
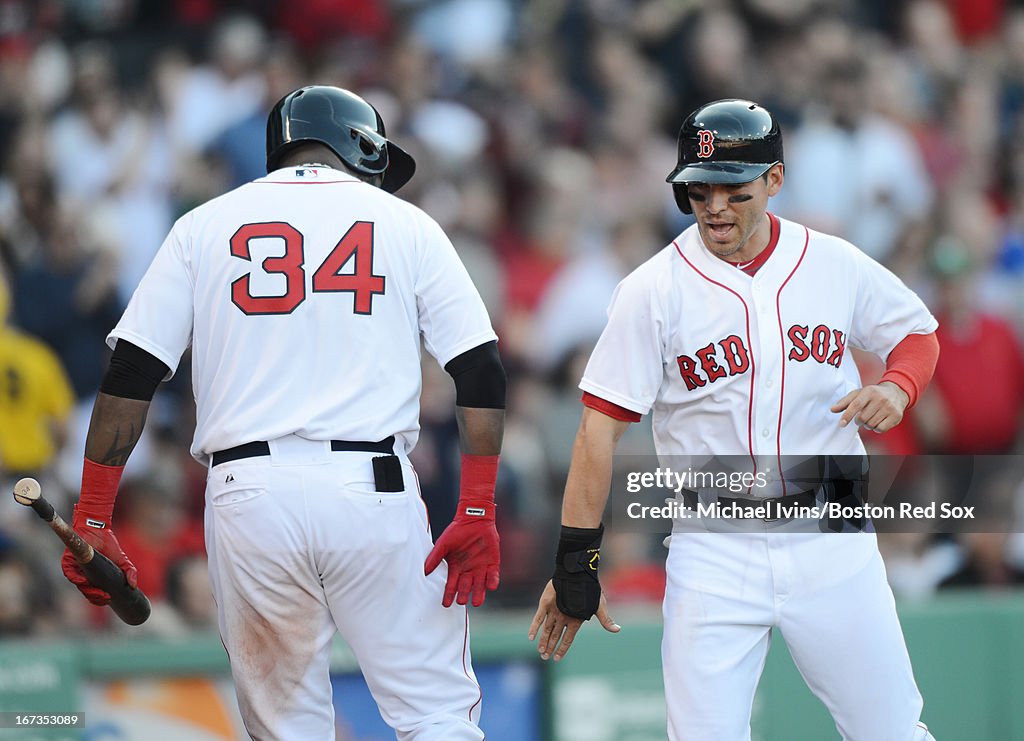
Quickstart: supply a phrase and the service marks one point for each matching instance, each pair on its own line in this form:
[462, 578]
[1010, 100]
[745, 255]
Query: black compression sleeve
[133, 373]
[479, 377]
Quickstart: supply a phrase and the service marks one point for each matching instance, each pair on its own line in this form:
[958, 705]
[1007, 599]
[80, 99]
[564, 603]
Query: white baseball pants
[302, 545]
[827, 594]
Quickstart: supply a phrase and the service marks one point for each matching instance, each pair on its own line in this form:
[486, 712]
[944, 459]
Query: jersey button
[768, 384]
[765, 432]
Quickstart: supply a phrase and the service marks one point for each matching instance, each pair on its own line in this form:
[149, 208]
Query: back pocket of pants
[233, 485]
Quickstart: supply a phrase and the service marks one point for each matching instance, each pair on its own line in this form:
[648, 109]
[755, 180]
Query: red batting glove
[92, 521]
[470, 544]
[104, 541]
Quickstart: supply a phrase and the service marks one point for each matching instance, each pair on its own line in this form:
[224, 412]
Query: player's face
[731, 218]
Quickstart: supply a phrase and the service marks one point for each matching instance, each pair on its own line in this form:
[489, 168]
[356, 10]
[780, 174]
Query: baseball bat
[129, 604]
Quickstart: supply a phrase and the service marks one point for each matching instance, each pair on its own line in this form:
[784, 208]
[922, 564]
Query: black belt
[772, 504]
[261, 447]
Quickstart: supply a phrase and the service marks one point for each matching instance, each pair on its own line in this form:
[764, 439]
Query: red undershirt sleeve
[612, 410]
[911, 364]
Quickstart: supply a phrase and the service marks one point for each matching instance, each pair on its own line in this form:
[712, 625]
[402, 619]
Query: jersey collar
[751, 266]
[786, 248]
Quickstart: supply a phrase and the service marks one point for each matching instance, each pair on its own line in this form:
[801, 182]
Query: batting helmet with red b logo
[727, 141]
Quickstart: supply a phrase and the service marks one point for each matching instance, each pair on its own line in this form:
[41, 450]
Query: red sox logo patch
[705, 143]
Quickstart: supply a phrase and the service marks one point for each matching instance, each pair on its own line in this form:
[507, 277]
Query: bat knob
[27, 492]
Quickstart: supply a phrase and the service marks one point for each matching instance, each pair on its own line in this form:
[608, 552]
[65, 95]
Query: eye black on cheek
[696, 196]
[740, 198]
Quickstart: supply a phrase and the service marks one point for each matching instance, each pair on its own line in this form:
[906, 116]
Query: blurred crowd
[543, 131]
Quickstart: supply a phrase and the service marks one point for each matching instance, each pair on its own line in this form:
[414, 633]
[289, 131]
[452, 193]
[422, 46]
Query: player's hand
[878, 408]
[557, 630]
[472, 549]
[104, 541]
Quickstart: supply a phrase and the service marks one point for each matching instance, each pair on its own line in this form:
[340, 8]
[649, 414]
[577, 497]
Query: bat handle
[81, 550]
[44, 509]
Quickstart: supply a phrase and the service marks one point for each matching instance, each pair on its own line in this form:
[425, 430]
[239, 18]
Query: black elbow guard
[133, 373]
[479, 377]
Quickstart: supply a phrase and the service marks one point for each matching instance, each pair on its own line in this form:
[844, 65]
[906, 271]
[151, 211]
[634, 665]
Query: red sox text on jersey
[730, 357]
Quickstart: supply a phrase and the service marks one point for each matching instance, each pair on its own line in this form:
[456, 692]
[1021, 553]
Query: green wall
[968, 654]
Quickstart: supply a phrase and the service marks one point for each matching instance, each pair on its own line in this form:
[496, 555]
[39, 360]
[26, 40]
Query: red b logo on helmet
[705, 143]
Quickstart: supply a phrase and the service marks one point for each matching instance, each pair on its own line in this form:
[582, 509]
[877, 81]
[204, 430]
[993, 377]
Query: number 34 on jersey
[348, 268]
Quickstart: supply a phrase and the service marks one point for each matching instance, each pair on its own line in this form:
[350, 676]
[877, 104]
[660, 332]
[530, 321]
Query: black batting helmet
[345, 123]
[728, 141]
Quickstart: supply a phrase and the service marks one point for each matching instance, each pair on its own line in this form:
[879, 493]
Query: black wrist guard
[577, 590]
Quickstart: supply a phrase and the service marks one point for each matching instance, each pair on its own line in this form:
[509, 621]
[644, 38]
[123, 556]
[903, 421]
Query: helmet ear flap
[682, 197]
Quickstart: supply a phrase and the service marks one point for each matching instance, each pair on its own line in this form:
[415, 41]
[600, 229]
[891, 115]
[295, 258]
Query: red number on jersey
[358, 242]
[289, 265]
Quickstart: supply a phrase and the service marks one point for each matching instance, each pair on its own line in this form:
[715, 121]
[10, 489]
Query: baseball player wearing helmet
[734, 337]
[304, 296]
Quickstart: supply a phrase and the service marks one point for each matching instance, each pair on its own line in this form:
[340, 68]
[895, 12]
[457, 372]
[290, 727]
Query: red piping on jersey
[419, 492]
[782, 341]
[465, 643]
[465, 634]
[746, 313]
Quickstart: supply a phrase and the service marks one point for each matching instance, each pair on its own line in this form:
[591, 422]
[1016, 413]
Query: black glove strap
[577, 589]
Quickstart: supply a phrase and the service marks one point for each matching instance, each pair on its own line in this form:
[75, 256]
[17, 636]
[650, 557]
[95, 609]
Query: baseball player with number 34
[734, 337]
[304, 296]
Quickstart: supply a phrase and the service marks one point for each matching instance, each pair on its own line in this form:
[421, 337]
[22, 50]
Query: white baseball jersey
[303, 295]
[733, 364]
[737, 365]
